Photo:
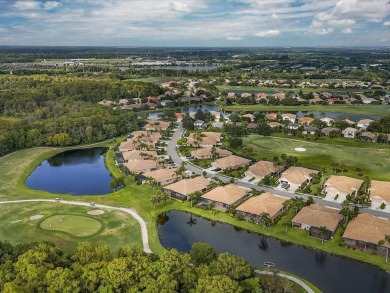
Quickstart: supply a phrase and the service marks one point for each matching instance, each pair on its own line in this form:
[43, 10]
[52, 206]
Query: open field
[113, 228]
[373, 162]
[79, 226]
[18, 165]
[304, 90]
[378, 110]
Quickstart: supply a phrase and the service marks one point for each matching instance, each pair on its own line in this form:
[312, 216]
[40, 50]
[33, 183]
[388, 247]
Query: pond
[77, 172]
[328, 272]
[154, 115]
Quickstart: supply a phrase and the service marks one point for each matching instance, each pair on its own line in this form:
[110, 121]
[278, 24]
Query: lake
[330, 273]
[77, 172]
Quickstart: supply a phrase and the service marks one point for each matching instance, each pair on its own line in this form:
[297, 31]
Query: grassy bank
[377, 110]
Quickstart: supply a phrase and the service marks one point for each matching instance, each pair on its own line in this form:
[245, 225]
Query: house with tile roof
[379, 192]
[262, 169]
[230, 162]
[207, 153]
[295, 176]
[264, 203]
[183, 188]
[314, 216]
[341, 186]
[224, 196]
[365, 232]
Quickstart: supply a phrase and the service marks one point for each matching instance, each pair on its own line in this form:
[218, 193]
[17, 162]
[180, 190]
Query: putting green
[79, 226]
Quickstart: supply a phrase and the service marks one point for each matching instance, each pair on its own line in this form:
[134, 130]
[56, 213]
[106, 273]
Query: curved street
[171, 151]
[144, 229]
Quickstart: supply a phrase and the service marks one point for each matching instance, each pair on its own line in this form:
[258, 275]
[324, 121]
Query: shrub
[383, 205]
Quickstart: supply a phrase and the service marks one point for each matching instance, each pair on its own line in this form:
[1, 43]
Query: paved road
[171, 151]
[299, 282]
[144, 229]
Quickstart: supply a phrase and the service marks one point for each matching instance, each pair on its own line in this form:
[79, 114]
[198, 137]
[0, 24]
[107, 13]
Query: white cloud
[346, 31]
[231, 38]
[322, 31]
[341, 22]
[274, 16]
[386, 23]
[267, 34]
[26, 5]
[51, 4]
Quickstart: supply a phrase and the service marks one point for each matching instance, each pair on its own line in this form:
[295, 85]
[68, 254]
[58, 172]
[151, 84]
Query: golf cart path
[299, 282]
[144, 229]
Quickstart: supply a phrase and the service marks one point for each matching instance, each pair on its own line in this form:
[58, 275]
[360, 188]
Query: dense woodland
[42, 267]
[40, 110]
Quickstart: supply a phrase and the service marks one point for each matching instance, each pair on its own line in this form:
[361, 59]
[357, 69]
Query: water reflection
[77, 172]
[329, 272]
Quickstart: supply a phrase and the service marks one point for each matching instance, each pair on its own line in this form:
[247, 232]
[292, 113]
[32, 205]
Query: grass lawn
[373, 162]
[79, 226]
[206, 163]
[113, 228]
[378, 110]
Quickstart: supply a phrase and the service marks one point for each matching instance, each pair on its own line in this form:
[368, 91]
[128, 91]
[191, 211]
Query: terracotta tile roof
[146, 136]
[365, 121]
[156, 125]
[210, 138]
[188, 186]
[262, 169]
[368, 228]
[317, 215]
[350, 122]
[263, 203]
[289, 115]
[342, 184]
[161, 174]
[138, 155]
[230, 162]
[141, 165]
[306, 119]
[272, 116]
[228, 194]
[205, 153]
[380, 190]
[297, 175]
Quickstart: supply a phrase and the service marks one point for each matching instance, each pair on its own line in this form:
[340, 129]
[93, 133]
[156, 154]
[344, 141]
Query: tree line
[61, 111]
[42, 267]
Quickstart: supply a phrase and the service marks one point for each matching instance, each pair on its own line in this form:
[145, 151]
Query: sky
[195, 23]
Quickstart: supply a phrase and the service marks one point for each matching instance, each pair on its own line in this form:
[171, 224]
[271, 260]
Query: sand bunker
[300, 149]
[36, 217]
[95, 212]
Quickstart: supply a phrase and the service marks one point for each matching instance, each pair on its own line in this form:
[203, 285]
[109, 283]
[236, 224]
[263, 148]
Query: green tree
[202, 253]
[218, 284]
[233, 266]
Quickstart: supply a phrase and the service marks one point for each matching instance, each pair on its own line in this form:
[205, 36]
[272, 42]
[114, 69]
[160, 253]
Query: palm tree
[387, 240]
[322, 230]
[198, 137]
[155, 200]
[264, 219]
[194, 196]
[162, 196]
